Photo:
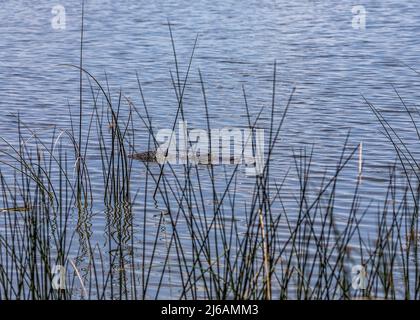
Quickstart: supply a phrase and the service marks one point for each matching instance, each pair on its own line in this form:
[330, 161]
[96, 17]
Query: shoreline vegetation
[212, 251]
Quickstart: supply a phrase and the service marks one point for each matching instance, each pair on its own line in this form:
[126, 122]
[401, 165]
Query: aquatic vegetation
[281, 243]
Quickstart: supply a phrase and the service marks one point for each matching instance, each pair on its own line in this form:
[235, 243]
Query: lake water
[316, 47]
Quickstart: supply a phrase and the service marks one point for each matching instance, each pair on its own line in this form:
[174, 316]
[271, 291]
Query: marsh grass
[222, 249]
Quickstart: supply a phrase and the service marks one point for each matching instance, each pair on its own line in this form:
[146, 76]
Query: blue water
[317, 50]
[315, 46]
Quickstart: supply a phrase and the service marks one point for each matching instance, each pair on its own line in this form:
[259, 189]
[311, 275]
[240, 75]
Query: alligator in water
[152, 156]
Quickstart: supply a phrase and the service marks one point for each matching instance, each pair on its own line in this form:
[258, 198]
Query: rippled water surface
[333, 66]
